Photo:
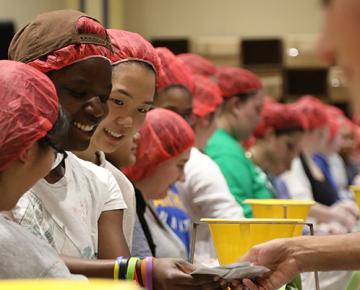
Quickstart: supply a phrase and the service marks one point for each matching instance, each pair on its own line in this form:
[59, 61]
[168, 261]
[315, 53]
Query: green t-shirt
[244, 178]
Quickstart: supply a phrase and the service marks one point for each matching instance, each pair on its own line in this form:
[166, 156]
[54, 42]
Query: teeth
[114, 134]
[85, 128]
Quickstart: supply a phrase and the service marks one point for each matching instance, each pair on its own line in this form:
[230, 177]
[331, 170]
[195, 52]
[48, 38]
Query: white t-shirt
[168, 244]
[66, 213]
[205, 194]
[297, 182]
[128, 192]
[22, 255]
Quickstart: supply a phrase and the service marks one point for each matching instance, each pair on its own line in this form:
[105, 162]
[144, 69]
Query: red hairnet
[197, 64]
[132, 46]
[58, 39]
[234, 81]
[174, 71]
[28, 109]
[207, 96]
[279, 117]
[313, 110]
[164, 136]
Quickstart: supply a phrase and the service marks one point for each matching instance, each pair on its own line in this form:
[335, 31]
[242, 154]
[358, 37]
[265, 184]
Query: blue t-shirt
[172, 212]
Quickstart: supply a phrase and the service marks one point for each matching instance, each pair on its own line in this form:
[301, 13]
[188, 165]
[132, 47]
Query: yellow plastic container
[234, 237]
[356, 190]
[97, 284]
[281, 208]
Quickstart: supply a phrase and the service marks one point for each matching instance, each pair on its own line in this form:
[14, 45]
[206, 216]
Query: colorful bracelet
[149, 270]
[123, 263]
[131, 268]
[143, 272]
[116, 269]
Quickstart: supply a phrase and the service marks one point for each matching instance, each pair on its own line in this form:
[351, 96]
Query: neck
[89, 154]
[259, 157]
[223, 123]
[145, 188]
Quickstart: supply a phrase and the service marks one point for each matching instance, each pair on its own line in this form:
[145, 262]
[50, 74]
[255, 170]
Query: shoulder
[88, 169]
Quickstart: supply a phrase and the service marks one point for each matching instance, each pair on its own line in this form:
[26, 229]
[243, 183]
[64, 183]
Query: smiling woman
[78, 204]
[135, 69]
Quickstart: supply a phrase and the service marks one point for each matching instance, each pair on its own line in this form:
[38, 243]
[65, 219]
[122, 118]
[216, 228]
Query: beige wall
[222, 17]
[22, 11]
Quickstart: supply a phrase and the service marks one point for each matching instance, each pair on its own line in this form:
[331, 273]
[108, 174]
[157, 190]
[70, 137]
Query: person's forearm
[90, 268]
[338, 252]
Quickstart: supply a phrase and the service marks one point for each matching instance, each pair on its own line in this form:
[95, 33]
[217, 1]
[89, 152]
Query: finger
[250, 284]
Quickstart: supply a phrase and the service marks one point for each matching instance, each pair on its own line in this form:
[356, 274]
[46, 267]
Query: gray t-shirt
[140, 246]
[22, 255]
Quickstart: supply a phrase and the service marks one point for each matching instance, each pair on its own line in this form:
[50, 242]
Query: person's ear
[234, 106]
[269, 133]
[26, 155]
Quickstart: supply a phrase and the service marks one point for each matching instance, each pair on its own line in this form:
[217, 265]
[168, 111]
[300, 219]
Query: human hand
[349, 206]
[343, 216]
[174, 274]
[277, 255]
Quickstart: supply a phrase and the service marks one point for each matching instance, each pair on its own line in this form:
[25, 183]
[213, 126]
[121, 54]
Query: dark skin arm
[112, 243]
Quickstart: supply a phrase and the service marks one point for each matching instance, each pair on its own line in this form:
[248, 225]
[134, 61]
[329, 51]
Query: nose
[97, 109]
[181, 176]
[125, 122]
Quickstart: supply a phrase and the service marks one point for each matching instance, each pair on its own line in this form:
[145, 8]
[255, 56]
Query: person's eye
[117, 102]
[181, 167]
[145, 110]
[77, 94]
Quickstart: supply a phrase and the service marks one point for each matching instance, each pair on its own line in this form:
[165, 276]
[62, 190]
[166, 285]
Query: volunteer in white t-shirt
[204, 193]
[30, 126]
[135, 66]
[78, 204]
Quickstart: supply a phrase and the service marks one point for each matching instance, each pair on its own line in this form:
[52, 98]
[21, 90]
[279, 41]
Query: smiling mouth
[83, 127]
[113, 134]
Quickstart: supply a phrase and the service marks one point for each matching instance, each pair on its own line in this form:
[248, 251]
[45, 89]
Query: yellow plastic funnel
[356, 190]
[55, 284]
[281, 208]
[234, 237]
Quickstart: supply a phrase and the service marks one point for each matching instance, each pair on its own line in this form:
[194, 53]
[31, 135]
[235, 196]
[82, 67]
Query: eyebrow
[123, 92]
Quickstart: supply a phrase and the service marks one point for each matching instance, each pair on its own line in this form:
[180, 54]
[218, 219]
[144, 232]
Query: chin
[76, 146]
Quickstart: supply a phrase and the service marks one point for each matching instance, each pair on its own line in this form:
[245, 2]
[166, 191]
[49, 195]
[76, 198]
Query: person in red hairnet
[175, 92]
[278, 141]
[86, 203]
[238, 118]
[176, 85]
[329, 159]
[198, 65]
[163, 150]
[204, 192]
[287, 257]
[307, 181]
[136, 67]
[31, 127]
